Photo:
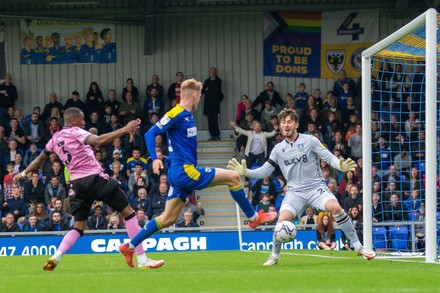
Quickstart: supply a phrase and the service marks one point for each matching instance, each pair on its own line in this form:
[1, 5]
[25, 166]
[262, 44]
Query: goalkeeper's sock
[239, 196]
[150, 228]
[347, 227]
[276, 248]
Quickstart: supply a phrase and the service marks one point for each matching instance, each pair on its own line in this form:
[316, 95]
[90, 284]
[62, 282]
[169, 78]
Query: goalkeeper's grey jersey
[299, 161]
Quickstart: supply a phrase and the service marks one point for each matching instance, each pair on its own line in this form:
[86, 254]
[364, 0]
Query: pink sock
[133, 228]
[68, 240]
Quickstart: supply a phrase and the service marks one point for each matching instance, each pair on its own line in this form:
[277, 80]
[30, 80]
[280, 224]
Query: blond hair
[189, 86]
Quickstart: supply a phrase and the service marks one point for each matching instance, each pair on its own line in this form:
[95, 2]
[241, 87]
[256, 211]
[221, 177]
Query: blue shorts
[184, 179]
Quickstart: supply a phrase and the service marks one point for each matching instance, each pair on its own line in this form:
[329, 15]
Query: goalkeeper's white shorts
[297, 201]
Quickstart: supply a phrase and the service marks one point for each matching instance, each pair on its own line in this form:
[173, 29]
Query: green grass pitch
[221, 271]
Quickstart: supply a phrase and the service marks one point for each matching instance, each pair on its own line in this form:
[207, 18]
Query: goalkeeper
[298, 157]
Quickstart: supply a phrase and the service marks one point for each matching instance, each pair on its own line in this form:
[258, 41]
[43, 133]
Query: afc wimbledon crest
[335, 60]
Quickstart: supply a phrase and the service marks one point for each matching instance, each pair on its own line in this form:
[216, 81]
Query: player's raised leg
[346, 225]
[233, 181]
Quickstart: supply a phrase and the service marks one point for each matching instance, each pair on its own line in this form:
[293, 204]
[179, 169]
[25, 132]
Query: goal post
[428, 21]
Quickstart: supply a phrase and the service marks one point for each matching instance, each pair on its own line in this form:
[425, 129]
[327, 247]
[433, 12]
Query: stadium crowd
[42, 201]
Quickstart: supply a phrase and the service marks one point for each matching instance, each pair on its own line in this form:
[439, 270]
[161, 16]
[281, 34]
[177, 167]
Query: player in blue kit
[184, 175]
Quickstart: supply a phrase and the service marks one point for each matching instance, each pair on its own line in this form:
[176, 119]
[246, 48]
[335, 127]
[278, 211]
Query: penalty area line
[303, 254]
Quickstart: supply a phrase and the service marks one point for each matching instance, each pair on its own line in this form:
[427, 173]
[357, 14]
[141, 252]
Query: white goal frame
[429, 19]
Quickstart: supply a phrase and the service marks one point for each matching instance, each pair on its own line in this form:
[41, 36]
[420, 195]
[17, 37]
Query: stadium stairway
[220, 208]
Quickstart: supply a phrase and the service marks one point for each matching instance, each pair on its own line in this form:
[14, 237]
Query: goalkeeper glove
[347, 165]
[241, 169]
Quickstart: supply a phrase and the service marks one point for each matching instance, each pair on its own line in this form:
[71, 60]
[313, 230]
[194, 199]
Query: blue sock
[239, 196]
[149, 229]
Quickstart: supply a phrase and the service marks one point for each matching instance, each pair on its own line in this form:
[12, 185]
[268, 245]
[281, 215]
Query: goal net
[400, 151]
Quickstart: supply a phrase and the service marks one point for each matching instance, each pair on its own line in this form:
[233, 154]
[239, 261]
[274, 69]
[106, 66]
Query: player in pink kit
[73, 146]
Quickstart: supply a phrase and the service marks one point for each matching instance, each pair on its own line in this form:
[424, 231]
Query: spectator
[31, 224]
[196, 210]
[97, 221]
[9, 225]
[53, 103]
[267, 114]
[153, 178]
[212, 90]
[35, 131]
[325, 233]
[52, 128]
[155, 85]
[264, 203]
[308, 219]
[34, 189]
[57, 170]
[326, 172]
[339, 83]
[16, 206]
[119, 175]
[130, 88]
[8, 94]
[15, 132]
[241, 107]
[134, 141]
[187, 220]
[18, 163]
[260, 187]
[129, 109]
[349, 178]
[319, 102]
[133, 179]
[354, 199]
[31, 154]
[396, 211]
[7, 179]
[54, 188]
[153, 104]
[301, 97]
[8, 190]
[248, 110]
[154, 187]
[141, 217]
[158, 200]
[75, 101]
[269, 94]
[140, 201]
[355, 143]
[413, 203]
[95, 99]
[174, 90]
[113, 222]
[377, 208]
[135, 160]
[117, 146]
[55, 223]
[112, 102]
[256, 146]
[41, 213]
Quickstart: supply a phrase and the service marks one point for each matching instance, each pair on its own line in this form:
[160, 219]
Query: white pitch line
[339, 257]
[304, 254]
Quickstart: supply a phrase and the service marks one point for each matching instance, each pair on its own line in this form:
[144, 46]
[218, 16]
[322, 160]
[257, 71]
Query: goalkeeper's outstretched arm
[258, 173]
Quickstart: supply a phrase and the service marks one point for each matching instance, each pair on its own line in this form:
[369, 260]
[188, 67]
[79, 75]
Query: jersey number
[68, 155]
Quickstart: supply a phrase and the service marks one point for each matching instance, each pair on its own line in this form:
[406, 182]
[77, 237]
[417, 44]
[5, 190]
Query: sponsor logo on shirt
[294, 161]
[192, 131]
